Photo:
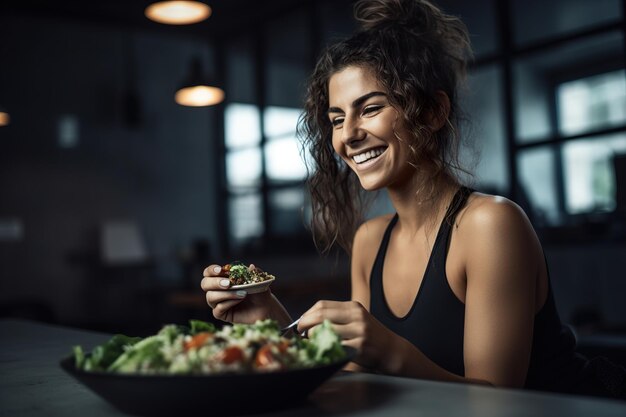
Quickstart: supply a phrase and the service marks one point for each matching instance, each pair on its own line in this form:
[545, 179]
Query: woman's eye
[337, 121]
[371, 109]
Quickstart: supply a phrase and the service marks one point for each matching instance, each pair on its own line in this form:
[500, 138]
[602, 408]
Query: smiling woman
[453, 286]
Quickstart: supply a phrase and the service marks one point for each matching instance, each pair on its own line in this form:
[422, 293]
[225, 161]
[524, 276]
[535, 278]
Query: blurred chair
[124, 286]
[121, 244]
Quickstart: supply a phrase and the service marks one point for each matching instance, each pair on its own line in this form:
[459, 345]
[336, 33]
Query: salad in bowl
[200, 348]
[174, 371]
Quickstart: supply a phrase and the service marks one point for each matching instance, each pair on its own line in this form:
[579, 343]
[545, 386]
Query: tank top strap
[376, 284]
[458, 202]
[385, 242]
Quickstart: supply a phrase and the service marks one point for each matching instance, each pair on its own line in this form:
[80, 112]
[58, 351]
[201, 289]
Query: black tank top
[435, 322]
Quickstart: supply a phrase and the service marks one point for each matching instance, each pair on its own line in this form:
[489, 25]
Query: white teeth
[365, 156]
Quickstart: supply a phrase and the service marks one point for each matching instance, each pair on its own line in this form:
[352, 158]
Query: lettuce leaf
[199, 326]
[326, 344]
[104, 355]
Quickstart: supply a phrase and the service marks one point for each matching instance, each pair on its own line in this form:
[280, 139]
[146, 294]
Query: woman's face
[366, 129]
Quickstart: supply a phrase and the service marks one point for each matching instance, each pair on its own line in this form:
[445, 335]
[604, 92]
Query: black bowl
[213, 394]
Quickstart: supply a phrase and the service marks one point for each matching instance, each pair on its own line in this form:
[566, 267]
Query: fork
[286, 329]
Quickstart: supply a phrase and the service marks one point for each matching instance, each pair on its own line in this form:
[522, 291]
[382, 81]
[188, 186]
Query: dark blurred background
[114, 197]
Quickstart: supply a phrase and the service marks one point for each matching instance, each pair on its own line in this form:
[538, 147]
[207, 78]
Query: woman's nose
[352, 132]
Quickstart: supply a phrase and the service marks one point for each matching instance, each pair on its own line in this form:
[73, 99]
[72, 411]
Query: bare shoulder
[492, 227]
[491, 214]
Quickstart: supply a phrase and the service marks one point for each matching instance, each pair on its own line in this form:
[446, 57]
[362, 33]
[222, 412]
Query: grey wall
[157, 174]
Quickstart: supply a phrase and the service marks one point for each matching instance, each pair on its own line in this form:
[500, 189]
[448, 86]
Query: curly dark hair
[415, 51]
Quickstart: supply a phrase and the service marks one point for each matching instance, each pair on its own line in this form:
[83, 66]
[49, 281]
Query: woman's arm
[361, 263]
[503, 260]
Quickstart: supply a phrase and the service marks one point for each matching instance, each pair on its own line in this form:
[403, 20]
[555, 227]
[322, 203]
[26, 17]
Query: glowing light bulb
[178, 12]
[4, 118]
[199, 96]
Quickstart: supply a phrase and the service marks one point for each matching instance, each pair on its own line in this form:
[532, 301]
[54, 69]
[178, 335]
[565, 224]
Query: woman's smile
[368, 158]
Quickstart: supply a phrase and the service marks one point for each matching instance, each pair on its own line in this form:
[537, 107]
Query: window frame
[258, 33]
[503, 58]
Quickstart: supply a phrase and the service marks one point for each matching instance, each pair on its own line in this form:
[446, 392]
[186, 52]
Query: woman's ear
[436, 117]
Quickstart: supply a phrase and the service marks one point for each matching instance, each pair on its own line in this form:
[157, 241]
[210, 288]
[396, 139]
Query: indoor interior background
[114, 198]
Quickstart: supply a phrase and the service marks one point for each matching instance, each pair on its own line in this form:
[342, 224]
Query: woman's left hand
[356, 327]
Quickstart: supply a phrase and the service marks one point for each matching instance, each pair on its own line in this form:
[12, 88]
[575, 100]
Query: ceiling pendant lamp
[196, 90]
[4, 117]
[178, 12]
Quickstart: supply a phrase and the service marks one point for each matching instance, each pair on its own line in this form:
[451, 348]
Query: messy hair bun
[372, 14]
[415, 51]
[422, 19]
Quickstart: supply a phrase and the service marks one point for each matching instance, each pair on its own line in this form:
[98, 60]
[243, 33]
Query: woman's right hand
[238, 306]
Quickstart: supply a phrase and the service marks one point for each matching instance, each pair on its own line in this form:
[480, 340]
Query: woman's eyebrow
[357, 102]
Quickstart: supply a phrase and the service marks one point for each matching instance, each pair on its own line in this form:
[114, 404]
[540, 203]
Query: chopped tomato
[268, 356]
[231, 354]
[264, 357]
[197, 340]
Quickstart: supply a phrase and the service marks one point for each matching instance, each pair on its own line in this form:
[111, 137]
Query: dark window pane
[484, 139]
[287, 207]
[336, 20]
[479, 17]
[534, 20]
[288, 59]
[240, 71]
